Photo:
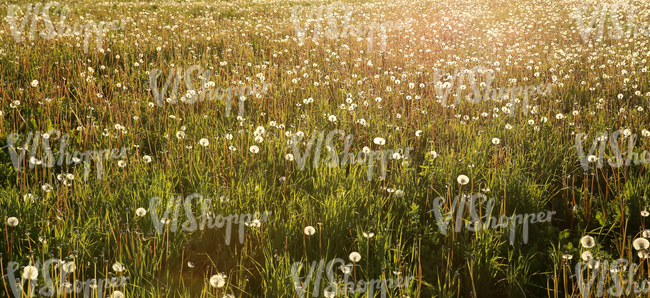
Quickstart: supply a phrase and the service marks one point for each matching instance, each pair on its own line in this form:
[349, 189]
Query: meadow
[379, 125]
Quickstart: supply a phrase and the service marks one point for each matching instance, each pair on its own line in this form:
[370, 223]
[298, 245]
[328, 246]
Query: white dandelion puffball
[368, 235]
[254, 149]
[593, 264]
[180, 134]
[587, 256]
[379, 141]
[30, 272]
[204, 142]
[418, 133]
[218, 281]
[140, 212]
[118, 267]
[35, 83]
[117, 294]
[12, 221]
[332, 118]
[496, 141]
[646, 233]
[592, 158]
[69, 267]
[399, 193]
[587, 242]
[309, 230]
[641, 244]
[355, 257]
[645, 213]
[433, 154]
[146, 159]
[289, 157]
[462, 179]
[121, 163]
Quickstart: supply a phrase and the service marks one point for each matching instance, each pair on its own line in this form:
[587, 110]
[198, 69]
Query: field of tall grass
[455, 111]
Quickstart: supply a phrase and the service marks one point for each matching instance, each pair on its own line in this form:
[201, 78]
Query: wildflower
[121, 163]
[140, 212]
[593, 264]
[379, 141]
[355, 257]
[69, 267]
[309, 230]
[646, 233]
[118, 267]
[28, 197]
[587, 256]
[204, 142]
[12, 221]
[289, 157]
[190, 264]
[180, 134]
[218, 280]
[146, 159]
[462, 179]
[254, 149]
[46, 187]
[35, 83]
[399, 193]
[496, 141]
[368, 235]
[30, 272]
[433, 154]
[592, 158]
[641, 244]
[645, 213]
[332, 118]
[117, 294]
[418, 133]
[587, 242]
[346, 270]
